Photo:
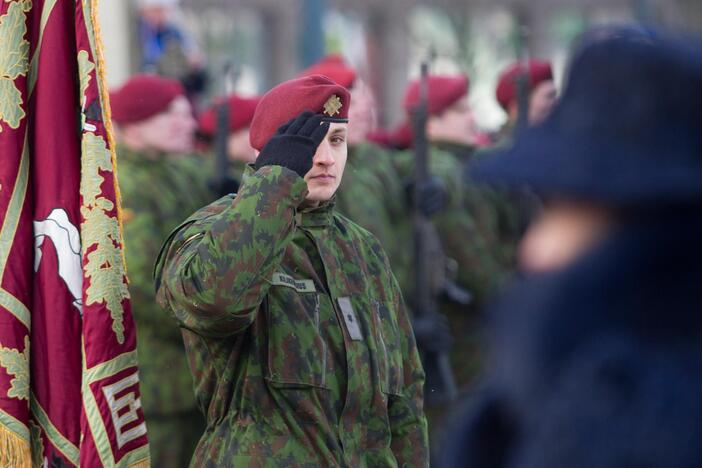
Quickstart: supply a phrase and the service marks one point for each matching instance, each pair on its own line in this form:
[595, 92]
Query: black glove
[294, 144]
[433, 333]
[432, 195]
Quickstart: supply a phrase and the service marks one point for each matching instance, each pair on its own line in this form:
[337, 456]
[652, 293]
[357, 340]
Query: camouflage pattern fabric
[296, 333]
[156, 194]
[372, 195]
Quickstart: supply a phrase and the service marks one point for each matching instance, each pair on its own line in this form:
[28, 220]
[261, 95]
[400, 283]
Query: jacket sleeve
[408, 424]
[214, 270]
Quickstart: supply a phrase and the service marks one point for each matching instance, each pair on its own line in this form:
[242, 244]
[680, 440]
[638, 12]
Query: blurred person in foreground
[597, 357]
[240, 111]
[298, 339]
[160, 183]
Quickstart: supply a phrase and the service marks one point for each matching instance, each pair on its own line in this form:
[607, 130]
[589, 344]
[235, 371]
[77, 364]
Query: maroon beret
[143, 96]
[538, 71]
[443, 92]
[402, 136]
[314, 93]
[335, 67]
[241, 112]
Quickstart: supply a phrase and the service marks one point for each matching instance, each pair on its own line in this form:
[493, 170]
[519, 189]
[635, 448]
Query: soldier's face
[171, 131]
[362, 117]
[454, 125]
[328, 164]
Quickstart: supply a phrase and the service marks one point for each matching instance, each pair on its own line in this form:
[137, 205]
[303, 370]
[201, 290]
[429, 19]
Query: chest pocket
[296, 351]
[389, 344]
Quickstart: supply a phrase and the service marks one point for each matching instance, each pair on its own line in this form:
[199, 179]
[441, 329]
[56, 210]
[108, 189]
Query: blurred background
[264, 42]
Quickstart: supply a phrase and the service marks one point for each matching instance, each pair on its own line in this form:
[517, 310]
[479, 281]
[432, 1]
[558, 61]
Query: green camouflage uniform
[156, 193]
[297, 336]
[371, 195]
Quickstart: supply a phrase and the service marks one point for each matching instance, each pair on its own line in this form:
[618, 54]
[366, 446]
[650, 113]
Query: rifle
[222, 183]
[428, 251]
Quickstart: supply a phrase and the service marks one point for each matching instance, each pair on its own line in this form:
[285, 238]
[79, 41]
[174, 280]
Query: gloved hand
[433, 333]
[294, 144]
[432, 196]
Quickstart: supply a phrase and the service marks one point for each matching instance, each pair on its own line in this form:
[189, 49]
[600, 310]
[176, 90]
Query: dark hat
[241, 112]
[314, 93]
[443, 92]
[537, 70]
[143, 96]
[627, 130]
[335, 67]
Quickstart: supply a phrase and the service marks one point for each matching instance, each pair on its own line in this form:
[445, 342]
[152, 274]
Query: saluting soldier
[160, 181]
[295, 328]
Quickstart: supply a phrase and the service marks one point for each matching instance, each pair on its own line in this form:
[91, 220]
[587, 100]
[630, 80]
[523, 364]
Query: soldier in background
[541, 89]
[596, 348]
[298, 338]
[160, 185]
[240, 111]
[513, 210]
[465, 222]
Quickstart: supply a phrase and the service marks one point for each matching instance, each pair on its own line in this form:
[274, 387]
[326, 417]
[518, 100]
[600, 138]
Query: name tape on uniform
[350, 319]
[304, 286]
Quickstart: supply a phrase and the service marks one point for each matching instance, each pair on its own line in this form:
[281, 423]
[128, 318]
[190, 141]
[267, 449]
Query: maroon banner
[65, 317]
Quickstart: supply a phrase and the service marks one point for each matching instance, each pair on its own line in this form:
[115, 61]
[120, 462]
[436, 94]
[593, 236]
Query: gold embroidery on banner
[13, 61]
[85, 69]
[333, 105]
[100, 236]
[16, 363]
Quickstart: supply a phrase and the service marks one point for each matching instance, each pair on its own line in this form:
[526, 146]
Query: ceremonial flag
[69, 385]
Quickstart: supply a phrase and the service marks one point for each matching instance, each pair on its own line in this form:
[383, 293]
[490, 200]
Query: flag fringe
[14, 450]
[107, 114]
[141, 464]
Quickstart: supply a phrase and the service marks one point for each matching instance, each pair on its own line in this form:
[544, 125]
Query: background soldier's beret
[314, 93]
[241, 112]
[444, 91]
[537, 70]
[334, 67]
[143, 96]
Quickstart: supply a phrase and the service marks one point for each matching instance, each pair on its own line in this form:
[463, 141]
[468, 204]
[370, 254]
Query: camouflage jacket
[156, 194]
[296, 333]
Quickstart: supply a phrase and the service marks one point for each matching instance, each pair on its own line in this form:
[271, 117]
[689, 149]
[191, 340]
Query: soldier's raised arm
[216, 269]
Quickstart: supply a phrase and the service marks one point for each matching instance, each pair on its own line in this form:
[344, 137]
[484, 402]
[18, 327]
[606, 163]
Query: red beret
[143, 96]
[443, 92]
[335, 67]
[241, 112]
[314, 93]
[539, 70]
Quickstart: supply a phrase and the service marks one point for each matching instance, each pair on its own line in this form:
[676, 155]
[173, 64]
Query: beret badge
[333, 105]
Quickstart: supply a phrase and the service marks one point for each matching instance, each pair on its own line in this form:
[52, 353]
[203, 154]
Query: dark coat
[599, 364]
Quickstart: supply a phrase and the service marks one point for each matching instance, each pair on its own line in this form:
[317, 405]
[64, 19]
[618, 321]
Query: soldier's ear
[256, 153]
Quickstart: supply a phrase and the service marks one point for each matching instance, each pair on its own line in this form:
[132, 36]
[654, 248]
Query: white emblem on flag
[118, 405]
[66, 239]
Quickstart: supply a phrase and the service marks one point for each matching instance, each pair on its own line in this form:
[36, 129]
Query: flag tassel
[14, 450]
